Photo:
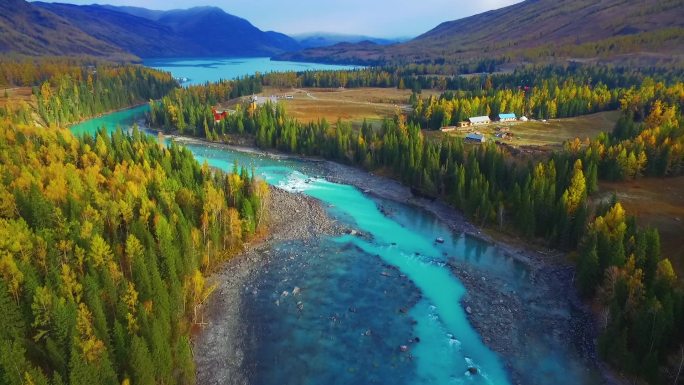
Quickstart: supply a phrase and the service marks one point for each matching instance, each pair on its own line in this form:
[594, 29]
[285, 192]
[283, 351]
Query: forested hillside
[105, 240]
[620, 265]
[67, 90]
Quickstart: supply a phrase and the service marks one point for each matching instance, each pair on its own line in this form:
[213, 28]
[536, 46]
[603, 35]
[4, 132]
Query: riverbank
[219, 348]
[508, 318]
[520, 322]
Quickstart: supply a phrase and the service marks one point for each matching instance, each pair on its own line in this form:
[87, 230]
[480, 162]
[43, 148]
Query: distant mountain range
[322, 39]
[530, 31]
[66, 29]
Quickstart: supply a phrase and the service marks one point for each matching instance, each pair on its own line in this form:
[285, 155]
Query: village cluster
[478, 137]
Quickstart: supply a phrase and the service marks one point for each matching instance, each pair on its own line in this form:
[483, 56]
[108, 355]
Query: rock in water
[469, 310]
[403, 348]
[296, 291]
[472, 370]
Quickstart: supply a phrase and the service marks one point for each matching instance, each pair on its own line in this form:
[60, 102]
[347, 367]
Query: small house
[219, 115]
[464, 124]
[475, 138]
[507, 118]
[479, 120]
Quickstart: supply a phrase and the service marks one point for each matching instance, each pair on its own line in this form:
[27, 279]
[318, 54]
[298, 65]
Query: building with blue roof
[507, 118]
[475, 138]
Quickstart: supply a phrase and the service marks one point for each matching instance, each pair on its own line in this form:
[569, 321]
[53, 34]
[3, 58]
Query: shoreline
[96, 116]
[495, 310]
[219, 347]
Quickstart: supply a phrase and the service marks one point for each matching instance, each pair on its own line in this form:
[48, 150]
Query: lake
[200, 71]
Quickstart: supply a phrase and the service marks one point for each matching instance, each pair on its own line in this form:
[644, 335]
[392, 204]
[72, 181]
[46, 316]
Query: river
[366, 297]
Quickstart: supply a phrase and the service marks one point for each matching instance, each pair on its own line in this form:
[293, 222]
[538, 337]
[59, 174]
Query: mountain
[65, 29]
[141, 36]
[314, 40]
[199, 31]
[31, 30]
[534, 30]
[218, 31]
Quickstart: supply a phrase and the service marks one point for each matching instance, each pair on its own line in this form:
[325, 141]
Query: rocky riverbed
[543, 310]
[218, 348]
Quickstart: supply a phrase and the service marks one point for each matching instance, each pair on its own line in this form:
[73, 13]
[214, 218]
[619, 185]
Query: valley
[188, 197]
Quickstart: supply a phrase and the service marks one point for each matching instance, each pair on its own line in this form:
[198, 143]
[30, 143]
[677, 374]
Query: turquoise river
[365, 297]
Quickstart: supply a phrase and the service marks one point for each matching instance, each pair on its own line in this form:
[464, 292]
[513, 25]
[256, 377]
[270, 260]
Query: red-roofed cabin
[218, 116]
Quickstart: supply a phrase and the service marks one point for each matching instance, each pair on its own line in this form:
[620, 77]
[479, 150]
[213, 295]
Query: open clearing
[656, 203]
[15, 95]
[550, 134]
[355, 104]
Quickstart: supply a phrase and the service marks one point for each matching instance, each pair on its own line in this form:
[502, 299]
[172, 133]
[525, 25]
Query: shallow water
[202, 70]
[123, 119]
[364, 297]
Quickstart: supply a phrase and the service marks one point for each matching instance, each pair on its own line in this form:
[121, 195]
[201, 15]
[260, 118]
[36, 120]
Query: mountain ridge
[132, 32]
[26, 29]
[323, 39]
[520, 32]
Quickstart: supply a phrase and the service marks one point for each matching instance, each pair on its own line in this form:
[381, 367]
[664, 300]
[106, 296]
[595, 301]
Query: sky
[376, 18]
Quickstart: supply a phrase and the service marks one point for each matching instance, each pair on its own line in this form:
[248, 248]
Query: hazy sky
[378, 18]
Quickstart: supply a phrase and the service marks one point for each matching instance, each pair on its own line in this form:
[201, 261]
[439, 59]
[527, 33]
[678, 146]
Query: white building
[478, 120]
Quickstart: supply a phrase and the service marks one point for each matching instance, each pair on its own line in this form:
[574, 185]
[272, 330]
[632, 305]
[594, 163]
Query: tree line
[559, 96]
[418, 77]
[27, 71]
[66, 90]
[65, 99]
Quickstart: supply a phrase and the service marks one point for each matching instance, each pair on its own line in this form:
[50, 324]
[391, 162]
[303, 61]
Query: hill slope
[134, 34]
[536, 30]
[65, 29]
[30, 30]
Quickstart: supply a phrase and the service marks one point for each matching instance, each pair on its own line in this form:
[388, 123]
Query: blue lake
[200, 71]
[364, 297]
